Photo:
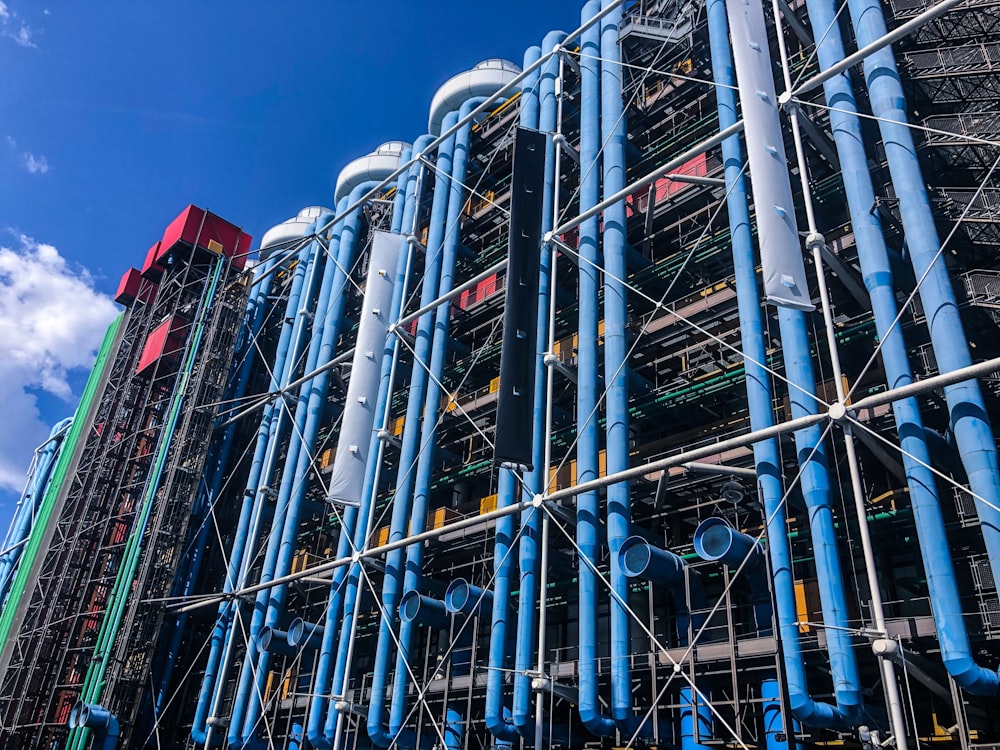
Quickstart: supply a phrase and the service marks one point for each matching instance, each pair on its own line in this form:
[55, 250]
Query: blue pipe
[271, 425]
[253, 321]
[401, 510]
[588, 503]
[969, 421]
[815, 484]
[305, 635]
[453, 730]
[716, 540]
[776, 737]
[432, 404]
[308, 419]
[252, 683]
[99, 720]
[462, 596]
[696, 714]
[345, 586]
[416, 608]
[640, 559]
[759, 394]
[619, 511]
[498, 718]
[873, 255]
[28, 504]
[536, 479]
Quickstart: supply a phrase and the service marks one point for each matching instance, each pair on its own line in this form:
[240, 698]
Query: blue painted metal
[251, 684]
[715, 539]
[534, 481]
[431, 405]
[913, 435]
[270, 428]
[308, 419]
[28, 503]
[616, 370]
[380, 735]
[453, 729]
[759, 394]
[970, 423]
[100, 721]
[588, 503]
[696, 721]
[498, 718]
[637, 558]
[462, 596]
[344, 589]
[419, 609]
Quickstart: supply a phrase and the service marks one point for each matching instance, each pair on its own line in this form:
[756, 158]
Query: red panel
[128, 287]
[151, 269]
[197, 228]
[164, 342]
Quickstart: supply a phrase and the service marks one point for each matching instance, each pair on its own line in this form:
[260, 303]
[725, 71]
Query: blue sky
[118, 113]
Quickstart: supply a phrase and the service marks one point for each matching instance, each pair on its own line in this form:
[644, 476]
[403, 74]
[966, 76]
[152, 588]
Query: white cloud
[9, 140]
[13, 27]
[51, 322]
[23, 36]
[35, 164]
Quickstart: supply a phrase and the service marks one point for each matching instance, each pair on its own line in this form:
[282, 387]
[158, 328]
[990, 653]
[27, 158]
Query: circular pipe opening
[713, 539]
[635, 556]
[409, 607]
[456, 598]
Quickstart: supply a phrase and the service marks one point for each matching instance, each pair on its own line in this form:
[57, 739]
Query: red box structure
[165, 342]
[197, 228]
[151, 269]
[129, 288]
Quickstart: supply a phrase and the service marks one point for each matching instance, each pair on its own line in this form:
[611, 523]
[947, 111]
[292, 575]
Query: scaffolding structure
[736, 518]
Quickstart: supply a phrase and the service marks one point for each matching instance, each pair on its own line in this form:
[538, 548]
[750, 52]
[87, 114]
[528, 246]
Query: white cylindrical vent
[362, 391]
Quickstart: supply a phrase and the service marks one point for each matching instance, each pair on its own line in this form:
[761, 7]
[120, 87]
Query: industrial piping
[271, 423]
[432, 396]
[28, 504]
[969, 421]
[534, 481]
[324, 719]
[588, 504]
[380, 735]
[759, 394]
[878, 277]
[358, 177]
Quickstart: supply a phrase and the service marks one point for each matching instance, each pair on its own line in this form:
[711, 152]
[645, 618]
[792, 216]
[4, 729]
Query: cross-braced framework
[731, 504]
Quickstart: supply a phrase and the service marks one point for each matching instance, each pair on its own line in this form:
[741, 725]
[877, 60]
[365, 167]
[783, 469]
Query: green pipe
[93, 684]
[59, 473]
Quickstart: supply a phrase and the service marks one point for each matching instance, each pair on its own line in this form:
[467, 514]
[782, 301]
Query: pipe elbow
[971, 677]
[501, 729]
[596, 723]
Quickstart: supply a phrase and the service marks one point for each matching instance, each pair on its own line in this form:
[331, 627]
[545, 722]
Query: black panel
[519, 350]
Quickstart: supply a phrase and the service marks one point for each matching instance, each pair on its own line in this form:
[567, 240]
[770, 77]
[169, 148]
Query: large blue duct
[309, 415]
[759, 393]
[344, 591]
[251, 683]
[380, 735]
[588, 503]
[619, 510]
[878, 277]
[269, 431]
[525, 658]
[28, 503]
[412, 579]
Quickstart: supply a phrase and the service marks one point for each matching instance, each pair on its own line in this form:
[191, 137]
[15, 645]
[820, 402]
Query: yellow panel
[801, 608]
[488, 504]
